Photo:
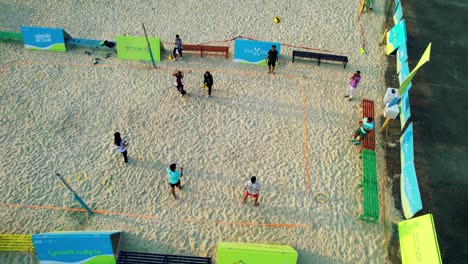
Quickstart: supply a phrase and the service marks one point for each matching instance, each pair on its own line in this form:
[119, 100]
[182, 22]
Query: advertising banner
[76, 247]
[402, 56]
[403, 74]
[405, 112]
[232, 252]
[418, 241]
[253, 52]
[136, 48]
[410, 196]
[38, 38]
[397, 13]
[396, 36]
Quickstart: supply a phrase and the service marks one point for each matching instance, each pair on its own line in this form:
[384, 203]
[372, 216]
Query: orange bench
[203, 49]
[368, 111]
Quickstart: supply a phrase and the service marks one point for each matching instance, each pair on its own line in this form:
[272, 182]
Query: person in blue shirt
[366, 125]
[174, 178]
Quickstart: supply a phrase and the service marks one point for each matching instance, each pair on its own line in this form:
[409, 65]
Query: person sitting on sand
[174, 178]
[179, 82]
[252, 188]
[366, 125]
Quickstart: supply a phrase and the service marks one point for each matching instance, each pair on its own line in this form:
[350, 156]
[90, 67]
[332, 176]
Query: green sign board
[136, 48]
[418, 241]
[231, 252]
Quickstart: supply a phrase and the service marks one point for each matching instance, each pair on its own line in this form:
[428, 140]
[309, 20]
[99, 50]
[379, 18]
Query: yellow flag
[424, 58]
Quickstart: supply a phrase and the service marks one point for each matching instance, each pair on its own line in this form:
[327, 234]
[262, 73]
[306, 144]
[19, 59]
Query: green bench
[370, 187]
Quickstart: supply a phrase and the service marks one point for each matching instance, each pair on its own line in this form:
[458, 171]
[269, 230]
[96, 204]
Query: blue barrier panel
[253, 52]
[77, 247]
[402, 56]
[396, 36]
[404, 72]
[37, 38]
[405, 112]
[397, 13]
[410, 196]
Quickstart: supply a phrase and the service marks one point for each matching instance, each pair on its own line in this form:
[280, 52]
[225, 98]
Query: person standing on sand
[179, 82]
[353, 83]
[208, 81]
[178, 47]
[174, 178]
[271, 59]
[121, 146]
[252, 188]
[366, 125]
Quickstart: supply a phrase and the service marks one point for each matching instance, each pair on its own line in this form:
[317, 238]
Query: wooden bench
[142, 258]
[370, 187]
[319, 57]
[204, 49]
[368, 111]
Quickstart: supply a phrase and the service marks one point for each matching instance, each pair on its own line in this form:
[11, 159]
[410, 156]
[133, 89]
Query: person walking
[179, 82]
[121, 146]
[252, 188]
[353, 83]
[208, 81]
[178, 47]
[366, 125]
[174, 178]
[271, 59]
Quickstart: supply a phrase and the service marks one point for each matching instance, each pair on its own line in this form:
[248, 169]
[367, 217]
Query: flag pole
[149, 47]
[74, 194]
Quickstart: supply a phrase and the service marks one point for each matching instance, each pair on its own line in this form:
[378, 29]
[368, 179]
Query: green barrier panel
[4, 35]
[246, 253]
[136, 48]
[418, 241]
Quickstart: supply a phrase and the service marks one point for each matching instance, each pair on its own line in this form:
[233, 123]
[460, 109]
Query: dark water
[439, 107]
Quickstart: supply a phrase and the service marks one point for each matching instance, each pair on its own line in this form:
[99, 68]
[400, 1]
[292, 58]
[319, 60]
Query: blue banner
[37, 38]
[252, 51]
[397, 13]
[410, 196]
[402, 56]
[404, 72]
[396, 36]
[75, 247]
[405, 112]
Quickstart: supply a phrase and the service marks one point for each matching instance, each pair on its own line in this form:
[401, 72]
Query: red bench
[203, 49]
[368, 111]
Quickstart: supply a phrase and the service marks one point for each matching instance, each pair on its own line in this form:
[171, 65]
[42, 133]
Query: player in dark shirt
[271, 59]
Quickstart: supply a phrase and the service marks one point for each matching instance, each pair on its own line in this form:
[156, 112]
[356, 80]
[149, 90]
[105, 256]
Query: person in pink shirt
[353, 83]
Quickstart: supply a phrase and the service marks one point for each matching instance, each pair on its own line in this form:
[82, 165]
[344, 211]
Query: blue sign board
[252, 51]
[407, 147]
[405, 112]
[404, 72]
[397, 13]
[38, 38]
[402, 56]
[396, 36]
[75, 247]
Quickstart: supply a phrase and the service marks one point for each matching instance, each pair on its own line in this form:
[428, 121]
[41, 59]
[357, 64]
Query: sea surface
[439, 107]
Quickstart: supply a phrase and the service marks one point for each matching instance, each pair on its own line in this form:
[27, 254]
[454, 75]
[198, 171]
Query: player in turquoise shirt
[174, 177]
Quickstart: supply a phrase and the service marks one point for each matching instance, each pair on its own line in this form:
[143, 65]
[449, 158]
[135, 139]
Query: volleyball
[277, 19]
[171, 57]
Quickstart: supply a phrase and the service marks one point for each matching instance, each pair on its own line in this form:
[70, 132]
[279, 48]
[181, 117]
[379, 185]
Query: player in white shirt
[252, 188]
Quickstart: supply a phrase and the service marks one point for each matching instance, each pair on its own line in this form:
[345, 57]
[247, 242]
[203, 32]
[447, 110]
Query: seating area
[368, 111]
[147, 258]
[319, 57]
[370, 187]
[204, 49]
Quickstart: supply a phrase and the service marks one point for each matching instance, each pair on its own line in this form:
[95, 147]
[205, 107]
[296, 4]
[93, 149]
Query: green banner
[136, 48]
[424, 58]
[418, 241]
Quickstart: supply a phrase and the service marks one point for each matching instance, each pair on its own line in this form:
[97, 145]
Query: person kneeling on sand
[366, 125]
[174, 178]
[179, 82]
[252, 188]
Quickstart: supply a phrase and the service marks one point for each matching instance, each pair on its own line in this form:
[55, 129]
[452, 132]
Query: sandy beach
[59, 113]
